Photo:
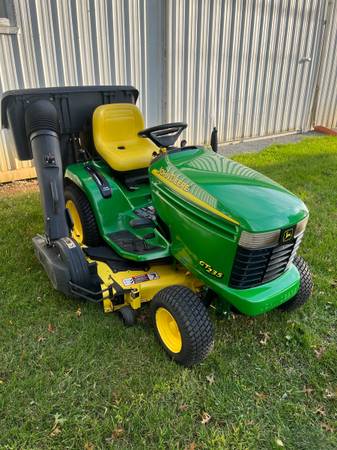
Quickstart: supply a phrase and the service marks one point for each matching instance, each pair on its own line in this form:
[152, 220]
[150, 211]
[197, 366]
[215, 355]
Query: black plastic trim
[252, 268]
[100, 180]
[131, 243]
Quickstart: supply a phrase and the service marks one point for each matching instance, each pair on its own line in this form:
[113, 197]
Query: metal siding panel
[326, 113]
[76, 42]
[241, 81]
[276, 58]
[8, 80]
[44, 28]
[155, 80]
[25, 44]
[119, 41]
[85, 41]
[103, 47]
[237, 64]
[35, 32]
[233, 64]
[310, 87]
[67, 53]
[250, 72]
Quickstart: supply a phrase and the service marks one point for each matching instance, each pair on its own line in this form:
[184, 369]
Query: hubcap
[77, 231]
[168, 330]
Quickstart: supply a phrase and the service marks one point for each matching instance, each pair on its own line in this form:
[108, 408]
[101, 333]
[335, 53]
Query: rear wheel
[305, 289]
[182, 325]
[85, 230]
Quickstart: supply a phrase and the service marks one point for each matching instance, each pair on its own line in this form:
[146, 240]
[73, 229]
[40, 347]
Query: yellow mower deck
[141, 286]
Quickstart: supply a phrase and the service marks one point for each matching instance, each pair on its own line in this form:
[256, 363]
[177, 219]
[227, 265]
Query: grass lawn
[72, 377]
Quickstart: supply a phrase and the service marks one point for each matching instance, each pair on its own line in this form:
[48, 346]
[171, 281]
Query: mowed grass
[72, 377]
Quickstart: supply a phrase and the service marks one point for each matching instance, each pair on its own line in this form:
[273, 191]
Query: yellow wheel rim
[77, 231]
[168, 330]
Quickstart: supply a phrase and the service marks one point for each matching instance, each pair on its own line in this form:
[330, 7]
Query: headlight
[259, 240]
[269, 239]
[300, 227]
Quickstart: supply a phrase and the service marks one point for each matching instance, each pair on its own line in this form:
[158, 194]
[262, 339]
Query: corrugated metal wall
[240, 64]
[325, 112]
[243, 65]
[69, 42]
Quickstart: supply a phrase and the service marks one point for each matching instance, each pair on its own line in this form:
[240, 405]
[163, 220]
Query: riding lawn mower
[132, 218]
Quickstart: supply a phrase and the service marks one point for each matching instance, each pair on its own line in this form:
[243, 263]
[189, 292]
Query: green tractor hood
[204, 202]
[229, 190]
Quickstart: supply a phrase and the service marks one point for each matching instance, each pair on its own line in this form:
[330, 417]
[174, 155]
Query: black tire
[128, 315]
[193, 323]
[305, 290]
[91, 235]
[72, 255]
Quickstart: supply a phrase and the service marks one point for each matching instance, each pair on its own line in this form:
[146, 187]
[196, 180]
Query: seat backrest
[115, 133]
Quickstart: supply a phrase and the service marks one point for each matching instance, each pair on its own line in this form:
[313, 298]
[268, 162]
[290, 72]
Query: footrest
[131, 243]
[114, 261]
[142, 223]
[147, 212]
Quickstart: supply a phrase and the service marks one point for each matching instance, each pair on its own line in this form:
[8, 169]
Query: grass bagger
[132, 218]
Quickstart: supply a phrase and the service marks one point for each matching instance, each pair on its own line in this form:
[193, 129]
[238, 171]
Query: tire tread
[192, 315]
[91, 234]
[306, 286]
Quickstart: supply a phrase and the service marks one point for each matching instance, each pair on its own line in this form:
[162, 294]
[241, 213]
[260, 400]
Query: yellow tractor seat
[115, 132]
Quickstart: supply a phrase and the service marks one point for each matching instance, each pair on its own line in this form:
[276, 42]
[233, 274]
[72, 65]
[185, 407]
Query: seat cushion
[115, 132]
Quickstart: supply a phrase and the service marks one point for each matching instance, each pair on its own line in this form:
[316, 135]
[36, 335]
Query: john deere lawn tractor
[130, 217]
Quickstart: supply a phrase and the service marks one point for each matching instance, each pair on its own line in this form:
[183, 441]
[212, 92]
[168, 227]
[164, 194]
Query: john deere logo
[288, 235]
[178, 181]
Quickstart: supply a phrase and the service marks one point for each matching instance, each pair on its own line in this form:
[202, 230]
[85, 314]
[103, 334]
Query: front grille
[254, 267]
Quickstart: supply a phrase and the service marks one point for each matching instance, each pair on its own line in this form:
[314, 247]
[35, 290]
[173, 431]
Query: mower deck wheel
[128, 315]
[305, 290]
[85, 230]
[182, 324]
[72, 255]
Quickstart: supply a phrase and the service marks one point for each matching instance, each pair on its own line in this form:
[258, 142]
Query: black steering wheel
[164, 135]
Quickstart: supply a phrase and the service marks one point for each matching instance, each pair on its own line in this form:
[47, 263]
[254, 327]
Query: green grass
[100, 385]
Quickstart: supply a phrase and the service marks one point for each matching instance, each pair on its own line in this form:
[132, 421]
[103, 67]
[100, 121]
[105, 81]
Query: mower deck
[128, 283]
[138, 281]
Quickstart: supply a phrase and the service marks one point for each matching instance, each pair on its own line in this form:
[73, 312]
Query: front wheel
[182, 325]
[305, 289]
